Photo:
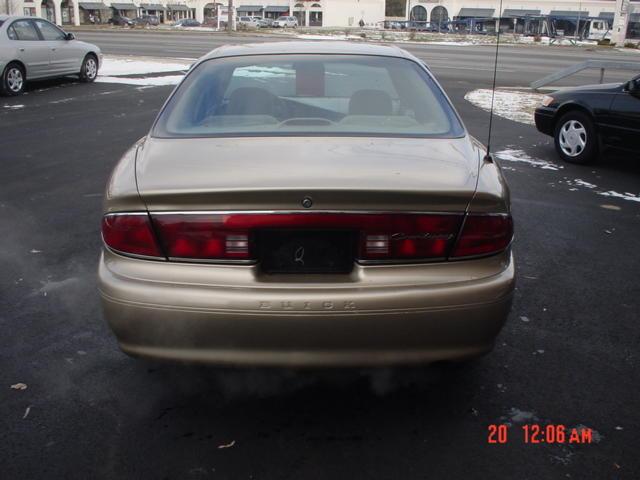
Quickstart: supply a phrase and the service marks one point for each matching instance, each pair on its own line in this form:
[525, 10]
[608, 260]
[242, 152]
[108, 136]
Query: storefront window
[315, 18]
[396, 8]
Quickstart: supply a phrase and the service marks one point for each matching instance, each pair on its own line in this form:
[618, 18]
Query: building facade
[314, 13]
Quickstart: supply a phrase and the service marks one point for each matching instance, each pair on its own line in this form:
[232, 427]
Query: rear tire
[576, 138]
[89, 69]
[13, 80]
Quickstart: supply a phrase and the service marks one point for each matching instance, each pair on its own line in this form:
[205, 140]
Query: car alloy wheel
[91, 68]
[14, 79]
[573, 138]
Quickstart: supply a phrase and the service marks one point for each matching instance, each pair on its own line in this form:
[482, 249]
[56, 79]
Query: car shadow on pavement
[48, 84]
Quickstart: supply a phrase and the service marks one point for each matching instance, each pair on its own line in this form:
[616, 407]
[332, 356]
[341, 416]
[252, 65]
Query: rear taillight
[202, 237]
[218, 236]
[408, 236]
[130, 233]
[483, 235]
[382, 237]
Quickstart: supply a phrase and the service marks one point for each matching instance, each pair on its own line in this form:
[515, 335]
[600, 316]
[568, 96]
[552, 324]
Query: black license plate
[308, 251]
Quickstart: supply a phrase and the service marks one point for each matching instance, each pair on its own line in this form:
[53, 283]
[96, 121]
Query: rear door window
[25, 30]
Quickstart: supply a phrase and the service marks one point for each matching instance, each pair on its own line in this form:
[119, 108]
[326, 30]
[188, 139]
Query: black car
[187, 22]
[145, 20]
[585, 120]
[121, 21]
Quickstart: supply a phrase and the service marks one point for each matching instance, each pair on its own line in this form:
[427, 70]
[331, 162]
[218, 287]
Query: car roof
[308, 47]
[5, 17]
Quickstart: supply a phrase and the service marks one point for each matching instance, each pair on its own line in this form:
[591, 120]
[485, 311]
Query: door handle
[22, 49]
[53, 49]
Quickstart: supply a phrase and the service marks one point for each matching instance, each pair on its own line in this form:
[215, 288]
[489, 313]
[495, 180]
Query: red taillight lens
[381, 236]
[408, 236]
[484, 235]
[130, 233]
[202, 236]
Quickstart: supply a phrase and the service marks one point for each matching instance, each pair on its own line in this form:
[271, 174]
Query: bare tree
[230, 19]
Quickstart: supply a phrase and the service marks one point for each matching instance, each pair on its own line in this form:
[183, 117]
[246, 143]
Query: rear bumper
[544, 118]
[380, 315]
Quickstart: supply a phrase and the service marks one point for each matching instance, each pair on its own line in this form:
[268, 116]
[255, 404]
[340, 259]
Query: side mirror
[69, 36]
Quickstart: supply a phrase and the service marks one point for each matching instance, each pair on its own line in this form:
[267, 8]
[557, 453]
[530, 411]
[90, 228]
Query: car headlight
[547, 100]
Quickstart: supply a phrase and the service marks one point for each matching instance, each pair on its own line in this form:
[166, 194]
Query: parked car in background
[121, 21]
[265, 23]
[380, 235]
[285, 22]
[248, 22]
[586, 119]
[213, 22]
[145, 20]
[187, 22]
[32, 48]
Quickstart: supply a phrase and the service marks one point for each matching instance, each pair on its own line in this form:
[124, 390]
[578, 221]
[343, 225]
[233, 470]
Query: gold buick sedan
[307, 204]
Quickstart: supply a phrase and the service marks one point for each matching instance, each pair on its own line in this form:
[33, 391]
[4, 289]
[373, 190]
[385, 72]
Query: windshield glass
[308, 95]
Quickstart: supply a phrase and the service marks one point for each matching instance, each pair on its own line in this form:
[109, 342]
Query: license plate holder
[306, 251]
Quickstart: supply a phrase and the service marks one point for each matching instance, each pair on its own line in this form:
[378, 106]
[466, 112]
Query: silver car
[32, 48]
[285, 22]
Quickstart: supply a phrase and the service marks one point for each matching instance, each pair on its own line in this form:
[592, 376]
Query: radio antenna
[493, 88]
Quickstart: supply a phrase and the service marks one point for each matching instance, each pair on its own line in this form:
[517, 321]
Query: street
[568, 354]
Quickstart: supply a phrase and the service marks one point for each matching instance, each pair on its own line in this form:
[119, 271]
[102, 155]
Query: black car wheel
[13, 80]
[89, 69]
[576, 138]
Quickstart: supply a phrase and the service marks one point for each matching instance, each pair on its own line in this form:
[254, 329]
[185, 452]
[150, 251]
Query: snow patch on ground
[582, 183]
[515, 155]
[144, 81]
[632, 197]
[306, 36]
[122, 70]
[511, 104]
[112, 65]
[625, 196]
[13, 107]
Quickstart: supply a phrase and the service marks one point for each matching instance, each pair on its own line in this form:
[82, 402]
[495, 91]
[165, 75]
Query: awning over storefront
[568, 14]
[606, 15]
[277, 8]
[124, 6]
[178, 8]
[249, 8]
[152, 6]
[514, 12]
[476, 12]
[92, 6]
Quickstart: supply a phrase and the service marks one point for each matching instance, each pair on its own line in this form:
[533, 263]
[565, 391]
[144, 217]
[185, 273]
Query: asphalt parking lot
[567, 356]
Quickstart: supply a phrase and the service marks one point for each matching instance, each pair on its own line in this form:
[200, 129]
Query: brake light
[219, 236]
[408, 236]
[381, 237]
[202, 237]
[484, 235]
[130, 233]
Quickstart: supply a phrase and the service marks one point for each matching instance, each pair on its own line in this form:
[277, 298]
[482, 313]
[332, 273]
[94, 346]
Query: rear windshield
[270, 95]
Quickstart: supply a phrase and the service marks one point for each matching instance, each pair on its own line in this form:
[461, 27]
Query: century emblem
[298, 256]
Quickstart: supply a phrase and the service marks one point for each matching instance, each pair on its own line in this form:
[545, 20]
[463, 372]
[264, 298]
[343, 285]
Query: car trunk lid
[274, 173]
